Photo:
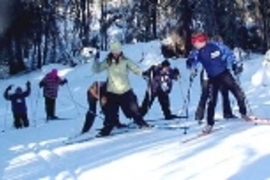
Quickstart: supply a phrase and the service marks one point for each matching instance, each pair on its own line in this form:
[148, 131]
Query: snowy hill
[238, 151]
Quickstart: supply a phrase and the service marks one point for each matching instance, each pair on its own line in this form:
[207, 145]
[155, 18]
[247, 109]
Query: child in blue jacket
[18, 105]
[211, 58]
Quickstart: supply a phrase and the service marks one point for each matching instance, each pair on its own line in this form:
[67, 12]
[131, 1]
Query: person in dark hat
[160, 80]
[18, 105]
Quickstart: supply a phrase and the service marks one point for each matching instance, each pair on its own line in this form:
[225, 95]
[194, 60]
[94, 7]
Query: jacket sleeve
[98, 67]
[134, 67]
[6, 95]
[192, 61]
[27, 92]
[227, 54]
[174, 73]
[93, 90]
[42, 83]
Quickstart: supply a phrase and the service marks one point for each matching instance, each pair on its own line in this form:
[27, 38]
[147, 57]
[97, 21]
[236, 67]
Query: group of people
[116, 92]
[218, 72]
[50, 84]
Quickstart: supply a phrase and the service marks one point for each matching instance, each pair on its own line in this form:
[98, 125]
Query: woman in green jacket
[119, 91]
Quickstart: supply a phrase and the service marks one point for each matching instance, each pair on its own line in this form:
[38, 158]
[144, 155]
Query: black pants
[92, 113]
[20, 120]
[224, 79]
[128, 103]
[50, 107]
[163, 99]
[205, 85]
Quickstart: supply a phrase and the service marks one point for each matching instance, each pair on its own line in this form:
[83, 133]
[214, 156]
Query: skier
[210, 56]
[96, 92]
[18, 105]
[119, 91]
[229, 58]
[50, 84]
[159, 85]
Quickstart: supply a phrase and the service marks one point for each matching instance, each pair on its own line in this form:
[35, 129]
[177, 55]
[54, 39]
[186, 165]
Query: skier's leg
[48, 108]
[129, 100]
[203, 99]
[231, 84]
[227, 110]
[25, 119]
[111, 114]
[164, 101]
[17, 123]
[91, 113]
[213, 94]
[147, 102]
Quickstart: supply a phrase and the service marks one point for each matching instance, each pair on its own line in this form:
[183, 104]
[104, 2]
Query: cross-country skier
[50, 84]
[160, 80]
[211, 58]
[18, 105]
[229, 59]
[119, 91]
[97, 93]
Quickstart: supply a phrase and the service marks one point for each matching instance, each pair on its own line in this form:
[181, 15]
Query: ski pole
[186, 105]
[5, 119]
[187, 102]
[72, 98]
[36, 108]
[184, 99]
[246, 99]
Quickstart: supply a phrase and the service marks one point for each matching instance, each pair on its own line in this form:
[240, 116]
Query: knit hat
[18, 90]
[165, 63]
[198, 37]
[115, 47]
[53, 73]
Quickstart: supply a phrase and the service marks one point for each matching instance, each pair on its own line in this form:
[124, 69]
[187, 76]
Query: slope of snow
[238, 151]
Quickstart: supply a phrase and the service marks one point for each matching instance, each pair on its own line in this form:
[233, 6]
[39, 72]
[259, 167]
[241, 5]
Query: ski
[202, 134]
[79, 139]
[166, 120]
[259, 121]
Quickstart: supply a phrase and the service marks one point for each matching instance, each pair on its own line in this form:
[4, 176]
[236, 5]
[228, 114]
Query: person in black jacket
[159, 85]
[18, 105]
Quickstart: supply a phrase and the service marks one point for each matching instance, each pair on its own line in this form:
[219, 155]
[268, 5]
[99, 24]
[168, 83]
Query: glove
[28, 84]
[193, 73]
[65, 81]
[176, 72]
[9, 87]
[41, 84]
[189, 63]
[144, 73]
[237, 68]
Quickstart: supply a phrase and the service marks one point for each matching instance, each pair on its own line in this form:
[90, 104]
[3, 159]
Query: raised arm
[97, 66]
[28, 89]
[6, 95]
[134, 67]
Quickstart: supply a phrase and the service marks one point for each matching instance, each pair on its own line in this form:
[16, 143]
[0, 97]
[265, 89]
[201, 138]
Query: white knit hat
[115, 47]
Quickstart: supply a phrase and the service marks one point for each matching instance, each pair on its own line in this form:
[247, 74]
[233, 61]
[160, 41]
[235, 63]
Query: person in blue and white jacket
[212, 58]
[229, 58]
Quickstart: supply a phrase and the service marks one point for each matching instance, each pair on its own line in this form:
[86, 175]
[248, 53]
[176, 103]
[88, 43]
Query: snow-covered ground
[239, 151]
